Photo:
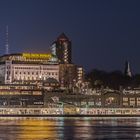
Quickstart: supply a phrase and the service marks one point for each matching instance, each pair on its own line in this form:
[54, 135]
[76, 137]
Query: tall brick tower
[62, 49]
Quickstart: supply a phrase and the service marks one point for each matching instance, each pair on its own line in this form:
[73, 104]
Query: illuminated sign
[36, 56]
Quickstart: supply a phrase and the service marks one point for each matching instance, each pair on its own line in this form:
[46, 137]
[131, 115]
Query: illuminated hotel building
[28, 67]
[33, 68]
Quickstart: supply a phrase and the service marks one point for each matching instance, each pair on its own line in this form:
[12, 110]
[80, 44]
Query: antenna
[7, 41]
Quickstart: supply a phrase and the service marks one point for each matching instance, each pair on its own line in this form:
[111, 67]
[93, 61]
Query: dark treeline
[115, 79]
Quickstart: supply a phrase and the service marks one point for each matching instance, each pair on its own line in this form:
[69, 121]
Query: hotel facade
[27, 67]
[33, 68]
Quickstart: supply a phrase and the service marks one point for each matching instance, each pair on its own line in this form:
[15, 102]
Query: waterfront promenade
[69, 111]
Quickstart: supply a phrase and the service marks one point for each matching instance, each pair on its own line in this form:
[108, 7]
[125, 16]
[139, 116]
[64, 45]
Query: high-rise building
[62, 49]
[46, 68]
[127, 71]
[69, 73]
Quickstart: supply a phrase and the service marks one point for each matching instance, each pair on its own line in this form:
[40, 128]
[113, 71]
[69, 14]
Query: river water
[70, 128]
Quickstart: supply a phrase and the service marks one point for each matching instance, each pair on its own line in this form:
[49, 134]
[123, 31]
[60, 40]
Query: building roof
[32, 58]
[12, 54]
[62, 37]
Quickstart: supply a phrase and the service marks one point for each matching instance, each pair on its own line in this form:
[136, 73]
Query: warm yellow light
[36, 56]
[37, 129]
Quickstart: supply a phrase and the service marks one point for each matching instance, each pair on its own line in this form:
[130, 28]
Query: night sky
[103, 33]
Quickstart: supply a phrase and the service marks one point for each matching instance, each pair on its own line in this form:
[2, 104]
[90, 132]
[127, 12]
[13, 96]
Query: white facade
[14, 72]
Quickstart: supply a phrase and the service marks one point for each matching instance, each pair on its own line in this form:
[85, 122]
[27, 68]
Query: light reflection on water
[69, 128]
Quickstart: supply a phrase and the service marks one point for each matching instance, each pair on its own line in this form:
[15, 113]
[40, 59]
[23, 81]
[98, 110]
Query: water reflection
[69, 128]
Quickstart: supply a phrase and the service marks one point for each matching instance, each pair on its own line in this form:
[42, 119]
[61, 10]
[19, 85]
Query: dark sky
[104, 33]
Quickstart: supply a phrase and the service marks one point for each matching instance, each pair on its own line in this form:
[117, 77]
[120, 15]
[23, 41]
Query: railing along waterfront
[69, 111]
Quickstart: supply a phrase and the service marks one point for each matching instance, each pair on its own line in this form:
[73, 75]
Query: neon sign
[36, 56]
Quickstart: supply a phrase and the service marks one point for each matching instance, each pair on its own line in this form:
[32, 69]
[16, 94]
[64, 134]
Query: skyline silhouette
[104, 34]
